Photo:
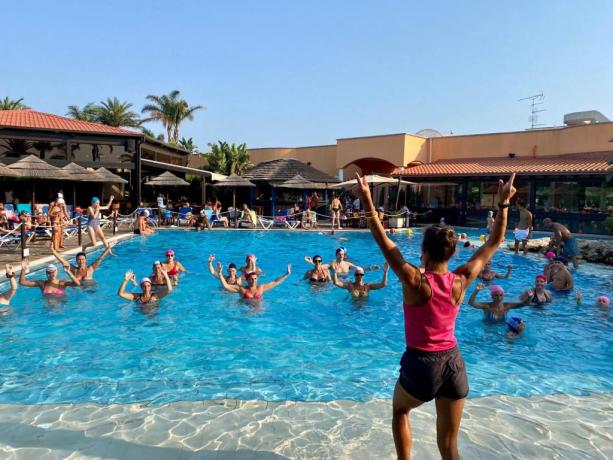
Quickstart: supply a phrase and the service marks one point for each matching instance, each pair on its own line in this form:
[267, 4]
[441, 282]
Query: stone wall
[598, 251]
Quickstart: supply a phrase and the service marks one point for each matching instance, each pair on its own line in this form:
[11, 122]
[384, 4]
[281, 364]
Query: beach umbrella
[32, 167]
[372, 179]
[167, 179]
[76, 173]
[234, 181]
[299, 182]
[108, 176]
[5, 171]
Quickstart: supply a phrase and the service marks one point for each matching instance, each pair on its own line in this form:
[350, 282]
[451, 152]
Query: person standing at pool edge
[432, 367]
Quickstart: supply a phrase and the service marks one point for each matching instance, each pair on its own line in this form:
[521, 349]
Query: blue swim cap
[514, 322]
[95, 200]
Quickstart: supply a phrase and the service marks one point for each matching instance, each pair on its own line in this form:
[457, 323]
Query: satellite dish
[428, 133]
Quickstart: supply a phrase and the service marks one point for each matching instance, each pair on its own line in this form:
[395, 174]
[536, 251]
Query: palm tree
[89, 112]
[17, 147]
[113, 112]
[228, 159]
[171, 111]
[147, 132]
[43, 147]
[188, 144]
[12, 104]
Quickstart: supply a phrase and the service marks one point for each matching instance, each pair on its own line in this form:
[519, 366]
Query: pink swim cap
[550, 255]
[604, 299]
[495, 289]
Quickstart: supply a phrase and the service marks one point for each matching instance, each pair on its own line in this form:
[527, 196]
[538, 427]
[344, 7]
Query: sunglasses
[317, 261]
[170, 255]
[359, 274]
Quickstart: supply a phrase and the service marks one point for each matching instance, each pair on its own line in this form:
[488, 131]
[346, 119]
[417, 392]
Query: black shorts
[426, 375]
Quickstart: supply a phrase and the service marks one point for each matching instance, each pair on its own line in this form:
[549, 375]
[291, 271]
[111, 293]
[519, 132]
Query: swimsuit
[173, 271]
[536, 301]
[521, 234]
[93, 222]
[139, 299]
[49, 289]
[248, 295]
[313, 278]
[491, 316]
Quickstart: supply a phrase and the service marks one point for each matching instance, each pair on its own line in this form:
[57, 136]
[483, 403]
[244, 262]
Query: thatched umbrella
[32, 167]
[372, 179]
[110, 177]
[234, 181]
[167, 179]
[299, 182]
[5, 171]
[76, 173]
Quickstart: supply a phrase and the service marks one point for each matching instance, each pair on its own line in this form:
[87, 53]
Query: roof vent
[511, 155]
[584, 118]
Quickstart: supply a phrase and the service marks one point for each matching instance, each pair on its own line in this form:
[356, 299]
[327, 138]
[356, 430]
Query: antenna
[536, 102]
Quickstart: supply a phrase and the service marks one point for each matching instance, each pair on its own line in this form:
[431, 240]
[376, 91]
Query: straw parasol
[299, 182]
[5, 171]
[109, 176]
[32, 167]
[76, 173]
[234, 181]
[372, 179]
[167, 179]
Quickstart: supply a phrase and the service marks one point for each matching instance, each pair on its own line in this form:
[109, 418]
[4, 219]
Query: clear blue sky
[293, 73]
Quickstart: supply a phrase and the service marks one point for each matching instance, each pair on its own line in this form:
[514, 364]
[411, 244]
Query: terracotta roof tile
[30, 119]
[576, 163]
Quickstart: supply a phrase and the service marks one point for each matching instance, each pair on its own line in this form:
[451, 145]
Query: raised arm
[59, 257]
[407, 273]
[473, 296]
[73, 280]
[224, 283]
[129, 276]
[104, 208]
[338, 283]
[169, 287]
[181, 268]
[106, 251]
[383, 282]
[507, 275]
[471, 269]
[10, 274]
[25, 264]
[279, 280]
[211, 269]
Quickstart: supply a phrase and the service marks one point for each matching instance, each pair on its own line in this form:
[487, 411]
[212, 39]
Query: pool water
[310, 343]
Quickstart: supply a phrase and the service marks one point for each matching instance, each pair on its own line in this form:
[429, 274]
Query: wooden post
[114, 222]
[23, 240]
[79, 233]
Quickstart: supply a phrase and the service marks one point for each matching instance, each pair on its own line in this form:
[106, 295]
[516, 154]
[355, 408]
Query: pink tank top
[431, 327]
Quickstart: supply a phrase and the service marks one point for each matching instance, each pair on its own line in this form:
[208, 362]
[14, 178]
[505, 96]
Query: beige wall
[588, 138]
[402, 149]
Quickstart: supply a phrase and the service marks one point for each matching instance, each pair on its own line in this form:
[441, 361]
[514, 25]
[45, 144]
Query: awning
[182, 169]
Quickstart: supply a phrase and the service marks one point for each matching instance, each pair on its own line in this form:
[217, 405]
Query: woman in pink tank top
[432, 367]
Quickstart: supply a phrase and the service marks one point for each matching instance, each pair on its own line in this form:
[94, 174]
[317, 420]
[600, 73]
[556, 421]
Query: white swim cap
[60, 195]
[145, 280]
[146, 213]
[51, 268]
[359, 271]
[60, 200]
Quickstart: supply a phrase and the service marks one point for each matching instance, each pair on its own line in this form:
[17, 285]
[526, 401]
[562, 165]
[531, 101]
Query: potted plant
[397, 219]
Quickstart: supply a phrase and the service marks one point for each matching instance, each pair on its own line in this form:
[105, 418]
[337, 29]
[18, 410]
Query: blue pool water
[305, 343]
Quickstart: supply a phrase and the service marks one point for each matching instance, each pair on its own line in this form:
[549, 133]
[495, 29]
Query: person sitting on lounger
[247, 217]
[141, 226]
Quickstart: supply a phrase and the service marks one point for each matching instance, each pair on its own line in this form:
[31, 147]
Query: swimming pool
[306, 343]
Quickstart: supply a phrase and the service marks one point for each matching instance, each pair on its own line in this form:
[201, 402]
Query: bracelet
[10, 276]
[372, 217]
[504, 205]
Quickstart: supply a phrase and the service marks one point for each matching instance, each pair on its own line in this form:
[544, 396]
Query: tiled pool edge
[493, 427]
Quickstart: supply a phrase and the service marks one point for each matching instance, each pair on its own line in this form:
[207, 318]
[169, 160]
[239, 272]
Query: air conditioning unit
[584, 118]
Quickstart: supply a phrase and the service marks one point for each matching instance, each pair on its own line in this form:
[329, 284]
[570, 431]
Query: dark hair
[439, 243]
[80, 254]
[467, 244]
[317, 257]
[520, 203]
[231, 266]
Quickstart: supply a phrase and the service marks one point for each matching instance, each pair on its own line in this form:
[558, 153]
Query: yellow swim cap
[482, 238]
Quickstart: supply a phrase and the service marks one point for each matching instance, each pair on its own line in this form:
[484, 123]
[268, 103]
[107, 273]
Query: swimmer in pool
[603, 302]
[5, 297]
[250, 266]
[516, 326]
[318, 274]
[560, 277]
[538, 295]
[158, 280]
[147, 296]
[487, 274]
[252, 291]
[231, 277]
[83, 272]
[359, 288]
[496, 310]
[172, 267]
[53, 287]
[340, 265]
